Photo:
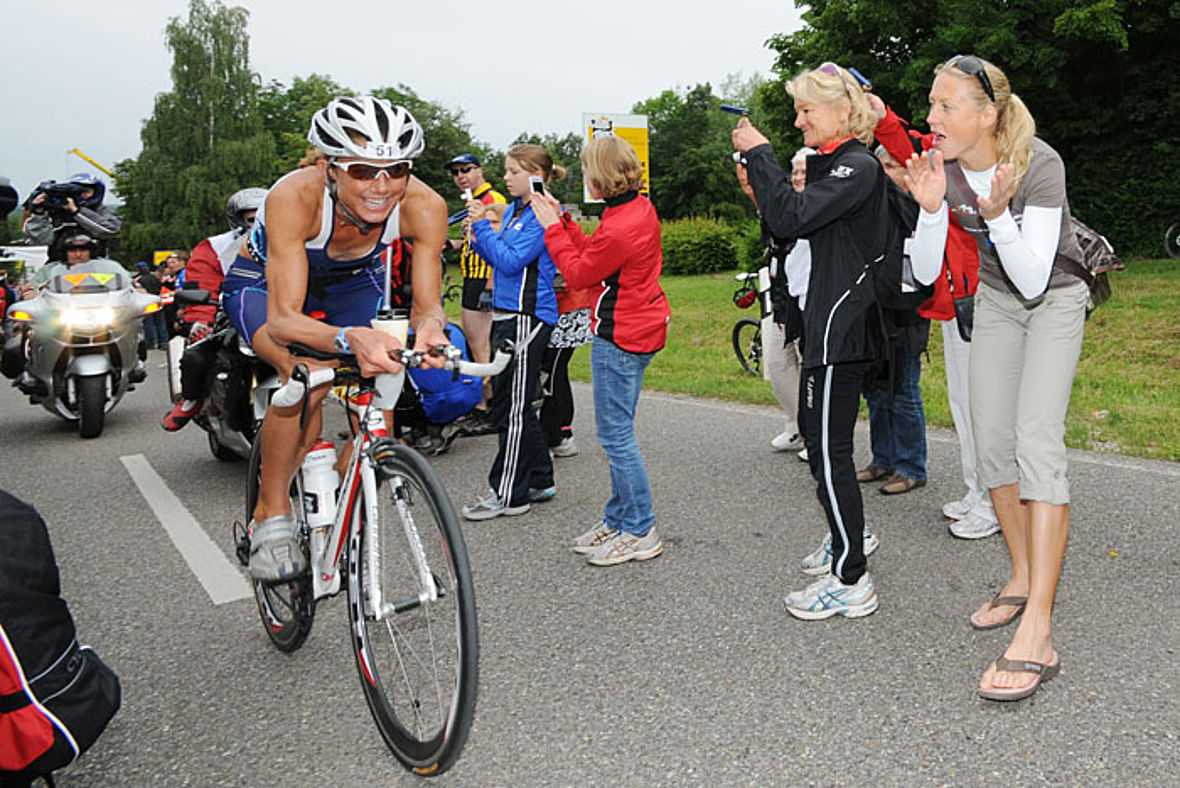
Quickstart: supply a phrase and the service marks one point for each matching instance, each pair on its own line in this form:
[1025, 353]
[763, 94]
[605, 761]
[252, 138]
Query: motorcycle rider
[316, 246]
[207, 266]
[49, 223]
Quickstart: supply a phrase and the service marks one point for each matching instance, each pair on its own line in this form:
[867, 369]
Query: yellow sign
[160, 256]
[632, 129]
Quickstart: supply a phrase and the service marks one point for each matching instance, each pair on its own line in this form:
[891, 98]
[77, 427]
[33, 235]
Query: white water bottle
[319, 485]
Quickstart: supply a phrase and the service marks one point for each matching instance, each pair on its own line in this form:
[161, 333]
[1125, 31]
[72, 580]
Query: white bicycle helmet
[241, 201]
[390, 132]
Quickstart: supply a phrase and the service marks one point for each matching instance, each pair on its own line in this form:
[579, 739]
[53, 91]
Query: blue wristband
[341, 341]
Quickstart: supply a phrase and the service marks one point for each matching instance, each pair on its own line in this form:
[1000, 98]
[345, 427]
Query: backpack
[445, 397]
[1098, 258]
[55, 697]
[894, 284]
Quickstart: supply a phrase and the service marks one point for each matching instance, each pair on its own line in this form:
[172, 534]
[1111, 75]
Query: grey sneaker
[829, 597]
[594, 538]
[275, 554]
[627, 547]
[489, 506]
[802, 455]
[978, 524]
[957, 510]
[567, 448]
[819, 562]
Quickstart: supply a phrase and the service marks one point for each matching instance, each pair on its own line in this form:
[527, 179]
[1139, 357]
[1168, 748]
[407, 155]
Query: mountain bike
[394, 542]
[1172, 241]
[747, 331]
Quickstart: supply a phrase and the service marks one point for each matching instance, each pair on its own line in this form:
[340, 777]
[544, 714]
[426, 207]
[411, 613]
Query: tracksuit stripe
[829, 486]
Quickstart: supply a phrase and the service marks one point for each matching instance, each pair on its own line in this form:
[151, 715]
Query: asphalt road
[685, 670]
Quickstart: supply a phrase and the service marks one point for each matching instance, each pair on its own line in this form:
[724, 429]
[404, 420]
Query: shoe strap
[1019, 666]
[1008, 601]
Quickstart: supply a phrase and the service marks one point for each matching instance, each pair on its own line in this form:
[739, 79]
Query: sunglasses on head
[973, 67]
[832, 70]
[362, 171]
[464, 169]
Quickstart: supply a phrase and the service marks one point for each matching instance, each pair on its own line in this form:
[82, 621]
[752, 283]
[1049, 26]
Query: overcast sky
[84, 74]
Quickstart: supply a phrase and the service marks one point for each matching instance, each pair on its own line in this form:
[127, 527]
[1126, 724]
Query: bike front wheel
[1172, 241]
[416, 648]
[747, 344]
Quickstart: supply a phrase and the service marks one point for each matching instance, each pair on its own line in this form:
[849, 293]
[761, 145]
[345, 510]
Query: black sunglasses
[973, 67]
[457, 170]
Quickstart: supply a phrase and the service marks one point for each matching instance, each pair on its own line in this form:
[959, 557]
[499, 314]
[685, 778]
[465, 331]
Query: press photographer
[55, 209]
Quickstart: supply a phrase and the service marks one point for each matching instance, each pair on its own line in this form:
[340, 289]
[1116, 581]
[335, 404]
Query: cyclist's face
[371, 200]
[516, 178]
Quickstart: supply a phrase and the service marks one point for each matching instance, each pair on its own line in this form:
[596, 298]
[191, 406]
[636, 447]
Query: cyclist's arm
[424, 218]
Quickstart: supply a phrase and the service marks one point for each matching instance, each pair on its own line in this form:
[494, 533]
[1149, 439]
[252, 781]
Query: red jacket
[206, 267]
[621, 264]
[961, 257]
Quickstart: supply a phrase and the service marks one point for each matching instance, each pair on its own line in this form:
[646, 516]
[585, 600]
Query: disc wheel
[418, 658]
[287, 608]
[747, 344]
[1172, 241]
[92, 401]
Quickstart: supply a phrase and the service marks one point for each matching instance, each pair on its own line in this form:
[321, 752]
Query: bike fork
[429, 590]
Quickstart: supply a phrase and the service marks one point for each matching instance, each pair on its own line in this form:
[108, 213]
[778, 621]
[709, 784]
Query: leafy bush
[698, 246]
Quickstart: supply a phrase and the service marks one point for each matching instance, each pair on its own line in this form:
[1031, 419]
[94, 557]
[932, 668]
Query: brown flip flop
[1019, 602]
[1044, 672]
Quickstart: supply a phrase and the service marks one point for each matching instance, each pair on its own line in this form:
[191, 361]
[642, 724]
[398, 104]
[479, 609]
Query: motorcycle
[240, 386]
[82, 343]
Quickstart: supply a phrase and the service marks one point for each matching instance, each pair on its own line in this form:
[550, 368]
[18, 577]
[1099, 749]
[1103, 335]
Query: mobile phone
[734, 110]
[536, 184]
[861, 78]
[466, 195]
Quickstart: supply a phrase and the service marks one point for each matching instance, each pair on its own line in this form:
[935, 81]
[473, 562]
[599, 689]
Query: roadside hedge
[698, 246]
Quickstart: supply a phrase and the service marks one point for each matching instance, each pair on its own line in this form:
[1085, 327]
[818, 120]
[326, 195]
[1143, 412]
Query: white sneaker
[594, 538]
[625, 547]
[978, 524]
[803, 455]
[275, 552]
[819, 562]
[829, 597]
[957, 510]
[490, 506]
[787, 441]
[566, 448]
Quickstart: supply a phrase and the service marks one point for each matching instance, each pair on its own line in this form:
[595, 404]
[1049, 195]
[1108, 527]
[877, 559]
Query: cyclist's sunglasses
[973, 67]
[361, 171]
[831, 69]
[466, 169]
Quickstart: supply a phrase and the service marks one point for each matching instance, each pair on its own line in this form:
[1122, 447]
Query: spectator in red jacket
[206, 269]
[621, 261]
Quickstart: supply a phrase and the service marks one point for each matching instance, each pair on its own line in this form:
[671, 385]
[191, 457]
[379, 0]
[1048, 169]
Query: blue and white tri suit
[348, 292]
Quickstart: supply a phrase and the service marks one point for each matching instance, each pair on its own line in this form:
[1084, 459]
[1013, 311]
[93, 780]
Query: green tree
[692, 171]
[204, 140]
[286, 115]
[1095, 75]
[566, 151]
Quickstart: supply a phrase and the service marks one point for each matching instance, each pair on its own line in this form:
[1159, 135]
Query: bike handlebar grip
[495, 367]
[291, 393]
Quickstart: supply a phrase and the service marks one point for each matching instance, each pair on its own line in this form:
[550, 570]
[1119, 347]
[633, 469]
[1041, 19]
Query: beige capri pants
[1023, 359]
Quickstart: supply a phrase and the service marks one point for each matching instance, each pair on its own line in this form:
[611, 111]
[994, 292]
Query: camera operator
[74, 205]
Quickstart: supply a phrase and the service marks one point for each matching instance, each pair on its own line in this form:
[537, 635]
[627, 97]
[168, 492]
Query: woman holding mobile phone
[524, 310]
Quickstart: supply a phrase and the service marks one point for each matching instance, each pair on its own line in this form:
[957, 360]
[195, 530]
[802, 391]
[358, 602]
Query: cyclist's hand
[427, 335]
[372, 350]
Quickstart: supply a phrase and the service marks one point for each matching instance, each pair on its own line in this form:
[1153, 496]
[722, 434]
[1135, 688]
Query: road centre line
[223, 582]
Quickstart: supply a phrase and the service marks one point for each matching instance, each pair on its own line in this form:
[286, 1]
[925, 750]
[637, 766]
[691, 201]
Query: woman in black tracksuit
[843, 213]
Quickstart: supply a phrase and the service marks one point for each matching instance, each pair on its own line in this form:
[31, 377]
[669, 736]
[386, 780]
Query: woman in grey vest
[1007, 188]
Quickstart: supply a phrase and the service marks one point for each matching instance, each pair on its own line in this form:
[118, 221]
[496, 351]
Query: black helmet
[241, 202]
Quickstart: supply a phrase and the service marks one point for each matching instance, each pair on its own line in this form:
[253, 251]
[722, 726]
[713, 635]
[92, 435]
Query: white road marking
[223, 582]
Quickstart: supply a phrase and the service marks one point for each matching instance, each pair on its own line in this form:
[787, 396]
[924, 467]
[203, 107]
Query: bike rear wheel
[287, 609]
[1172, 241]
[747, 344]
[419, 662]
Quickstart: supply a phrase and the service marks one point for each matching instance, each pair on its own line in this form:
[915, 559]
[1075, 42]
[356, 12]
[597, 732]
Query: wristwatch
[340, 342]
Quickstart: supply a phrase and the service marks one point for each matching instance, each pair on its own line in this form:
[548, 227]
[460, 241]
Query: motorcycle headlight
[88, 318]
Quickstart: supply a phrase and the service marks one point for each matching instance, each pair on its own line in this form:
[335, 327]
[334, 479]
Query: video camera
[56, 195]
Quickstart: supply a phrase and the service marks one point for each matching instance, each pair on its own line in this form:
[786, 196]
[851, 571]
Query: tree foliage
[204, 141]
[1096, 76]
[286, 115]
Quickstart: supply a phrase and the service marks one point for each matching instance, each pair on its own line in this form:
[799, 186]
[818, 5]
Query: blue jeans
[617, 377]
[897, 429]
[155, 330]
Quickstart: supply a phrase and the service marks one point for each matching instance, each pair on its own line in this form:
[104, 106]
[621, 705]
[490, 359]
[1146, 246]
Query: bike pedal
[241, 543]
